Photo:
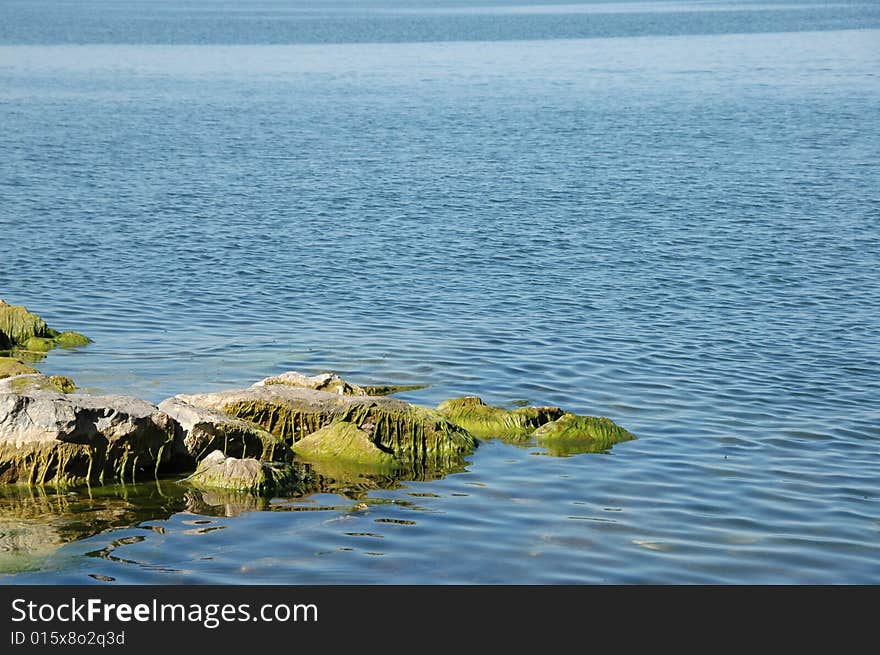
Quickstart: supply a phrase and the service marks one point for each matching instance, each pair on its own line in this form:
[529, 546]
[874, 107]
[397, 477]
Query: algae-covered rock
[571, 434]
[19, 325]
[26, 331]
[487, 421]
[342, 441]
[332, 383]
[409, 432]
[217, 470]
[37, 382]
[201, 430]
[51, 437]
[389, 389]
[10, 367]
[70, 339]
[38, 344]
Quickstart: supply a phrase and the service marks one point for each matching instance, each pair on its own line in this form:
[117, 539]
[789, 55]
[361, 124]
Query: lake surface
[667, 213]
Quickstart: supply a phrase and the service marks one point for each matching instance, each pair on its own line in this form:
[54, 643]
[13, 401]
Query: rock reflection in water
[35, 521]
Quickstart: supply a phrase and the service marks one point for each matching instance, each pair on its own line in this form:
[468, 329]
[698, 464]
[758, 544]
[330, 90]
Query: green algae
[408, 431]
[486, 421]
[217, 471]
[10, 367]
[19, 325]
[22, 330]
[38, 344]
[29, 382]
[70, 339]
[343, 441]
[63, 383]
[63, 463]
[389, 389]
[572, 434]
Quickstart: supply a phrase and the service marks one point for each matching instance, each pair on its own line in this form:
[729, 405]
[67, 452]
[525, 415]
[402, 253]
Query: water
[665, 213]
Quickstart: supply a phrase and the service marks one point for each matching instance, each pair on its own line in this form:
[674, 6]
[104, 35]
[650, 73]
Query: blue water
[663, 212]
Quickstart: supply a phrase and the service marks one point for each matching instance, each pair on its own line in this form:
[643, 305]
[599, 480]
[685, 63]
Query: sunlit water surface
[664, 212]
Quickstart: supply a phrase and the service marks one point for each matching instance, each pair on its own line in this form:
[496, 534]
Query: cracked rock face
[201, 430]
[69, 438]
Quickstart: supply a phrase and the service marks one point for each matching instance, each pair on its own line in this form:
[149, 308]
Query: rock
[50, 437]
[19, 325]
[37, 382]
[217, 470]
[201, 430]
[334, 384]
[344, 442]
[409, 432]
[70, 339]
[487, 421]
[10, 367]
[329, 382]
[27, 331]
[38, 344]
[388, 389]
[572, 434]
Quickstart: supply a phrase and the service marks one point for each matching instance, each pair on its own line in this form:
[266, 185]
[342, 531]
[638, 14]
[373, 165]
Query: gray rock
[244, 475]
[51, 437]
[201, 430]
[329, 382]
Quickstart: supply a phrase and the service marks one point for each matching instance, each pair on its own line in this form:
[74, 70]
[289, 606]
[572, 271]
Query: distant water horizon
[661, 212]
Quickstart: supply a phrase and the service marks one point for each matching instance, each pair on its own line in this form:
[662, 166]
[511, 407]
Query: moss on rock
[409, 432]
[28, 332]
[217, 471]
[343, 441]
[10, 367]
[572, 433]
[70, 339]
[389, 389]
[38, 344]
[63, 383]
[28, 382]
[19, 325]
[487, 421]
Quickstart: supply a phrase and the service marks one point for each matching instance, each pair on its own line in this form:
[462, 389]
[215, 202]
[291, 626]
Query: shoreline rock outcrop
[47, 436]
[408, 432]
[22, 330]
[200, 430]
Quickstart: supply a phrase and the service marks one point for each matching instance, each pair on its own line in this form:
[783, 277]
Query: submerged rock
[200, 430]
[389, 389]
[10, 367]
[571, 434]
[24, 330]
[251, 475]
[487, 421]
[343, 442]
[409, 432]
[51, 437]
